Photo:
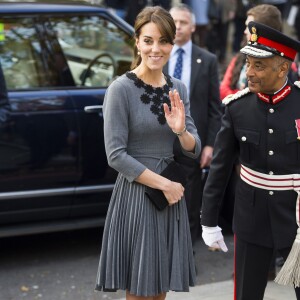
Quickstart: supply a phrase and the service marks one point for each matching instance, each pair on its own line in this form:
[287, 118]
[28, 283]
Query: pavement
[62, 266]
[215, 277]
[224, 291]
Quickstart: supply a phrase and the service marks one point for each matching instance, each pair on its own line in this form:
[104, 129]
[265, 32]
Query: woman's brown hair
[266, 14]
[161, 18]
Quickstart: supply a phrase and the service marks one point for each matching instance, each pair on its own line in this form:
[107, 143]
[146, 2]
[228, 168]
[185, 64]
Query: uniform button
[271, 152]
[271, 173]
[271, 193]
[244, 139]
[271, 130]
[271, 110]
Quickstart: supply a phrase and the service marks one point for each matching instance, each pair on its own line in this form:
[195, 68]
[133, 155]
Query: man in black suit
[261, 125]
[200, 75]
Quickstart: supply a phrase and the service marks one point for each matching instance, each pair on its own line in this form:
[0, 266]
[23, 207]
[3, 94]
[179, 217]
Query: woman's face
[154, 48]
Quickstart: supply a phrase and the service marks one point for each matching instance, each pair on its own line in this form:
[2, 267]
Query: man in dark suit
[199, 72]
[261, 125]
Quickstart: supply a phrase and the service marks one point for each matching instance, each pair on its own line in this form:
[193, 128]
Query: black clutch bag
[175, 172]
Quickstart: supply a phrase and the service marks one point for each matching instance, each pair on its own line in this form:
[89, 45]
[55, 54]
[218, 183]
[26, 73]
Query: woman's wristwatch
[180, 132]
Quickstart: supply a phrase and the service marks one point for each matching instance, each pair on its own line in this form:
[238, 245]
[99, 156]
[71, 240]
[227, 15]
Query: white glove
[213, 237]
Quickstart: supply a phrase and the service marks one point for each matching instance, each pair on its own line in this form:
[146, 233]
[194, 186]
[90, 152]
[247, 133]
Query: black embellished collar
[154, 96]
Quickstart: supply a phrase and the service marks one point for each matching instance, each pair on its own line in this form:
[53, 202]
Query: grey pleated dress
[144, 251]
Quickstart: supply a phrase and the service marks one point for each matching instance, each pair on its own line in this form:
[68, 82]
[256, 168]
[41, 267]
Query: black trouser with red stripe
[252, 263]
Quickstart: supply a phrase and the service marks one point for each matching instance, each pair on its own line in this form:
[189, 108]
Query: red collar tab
[274, 99]
[282, 49]
[298, 128]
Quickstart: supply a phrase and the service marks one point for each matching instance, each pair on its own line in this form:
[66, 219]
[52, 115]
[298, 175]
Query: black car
[57, 61]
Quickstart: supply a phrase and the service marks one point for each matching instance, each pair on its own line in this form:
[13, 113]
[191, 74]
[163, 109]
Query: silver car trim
[93, 108]
[94, 188]
[50, 226]
[56, 192]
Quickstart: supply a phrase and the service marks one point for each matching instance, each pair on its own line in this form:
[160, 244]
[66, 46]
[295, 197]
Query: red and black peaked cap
[267, 42]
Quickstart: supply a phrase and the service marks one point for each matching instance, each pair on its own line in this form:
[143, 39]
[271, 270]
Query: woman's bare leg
[133, 297]
[160, 296]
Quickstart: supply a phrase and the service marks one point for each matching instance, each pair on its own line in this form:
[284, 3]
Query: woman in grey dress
[146, 251]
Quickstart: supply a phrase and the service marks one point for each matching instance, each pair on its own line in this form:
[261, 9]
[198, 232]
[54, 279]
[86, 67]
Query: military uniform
[261, 129]
[265, 136]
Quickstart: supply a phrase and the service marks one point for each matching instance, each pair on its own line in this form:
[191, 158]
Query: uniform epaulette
[297, 84]
[235, 96]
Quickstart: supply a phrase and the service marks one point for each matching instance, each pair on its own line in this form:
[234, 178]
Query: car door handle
[93, 108]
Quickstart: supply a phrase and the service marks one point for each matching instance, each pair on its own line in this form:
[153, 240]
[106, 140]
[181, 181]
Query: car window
[95, 48]
[73, 51]
[26, 60]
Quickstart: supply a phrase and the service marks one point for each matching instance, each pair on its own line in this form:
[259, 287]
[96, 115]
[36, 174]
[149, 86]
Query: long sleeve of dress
[116, 125]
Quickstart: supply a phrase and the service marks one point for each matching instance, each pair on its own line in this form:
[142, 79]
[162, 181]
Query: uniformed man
[260, 125]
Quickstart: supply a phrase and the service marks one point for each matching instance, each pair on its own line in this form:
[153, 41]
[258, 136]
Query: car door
[98, 47]
[57, 67]
[39, 161]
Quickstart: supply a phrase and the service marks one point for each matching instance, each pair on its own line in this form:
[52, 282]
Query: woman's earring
[138, 53]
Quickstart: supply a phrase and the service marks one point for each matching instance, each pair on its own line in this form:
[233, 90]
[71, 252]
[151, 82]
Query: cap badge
[253, 37]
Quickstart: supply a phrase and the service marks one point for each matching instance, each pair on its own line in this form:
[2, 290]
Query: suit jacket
[265, 138]
[205, 104]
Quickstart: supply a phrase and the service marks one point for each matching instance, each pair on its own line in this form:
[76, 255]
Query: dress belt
[161, 160]
[289, 273]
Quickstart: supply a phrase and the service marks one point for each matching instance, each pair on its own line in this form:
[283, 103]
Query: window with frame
[69, 51]
[96, 49]
[26, 59]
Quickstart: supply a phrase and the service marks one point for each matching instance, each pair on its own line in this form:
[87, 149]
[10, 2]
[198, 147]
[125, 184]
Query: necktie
[178, 66]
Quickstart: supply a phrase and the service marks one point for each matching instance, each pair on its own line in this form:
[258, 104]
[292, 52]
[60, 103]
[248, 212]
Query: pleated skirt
[144, 251]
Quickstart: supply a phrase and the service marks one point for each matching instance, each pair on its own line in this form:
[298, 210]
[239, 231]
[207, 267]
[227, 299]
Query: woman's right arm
[173, 191]
[116, 126]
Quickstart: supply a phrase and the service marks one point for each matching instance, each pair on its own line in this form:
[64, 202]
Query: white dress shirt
[186, 63]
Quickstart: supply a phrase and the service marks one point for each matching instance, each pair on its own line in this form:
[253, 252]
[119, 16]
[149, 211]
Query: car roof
[48, 7]
[62, 7]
